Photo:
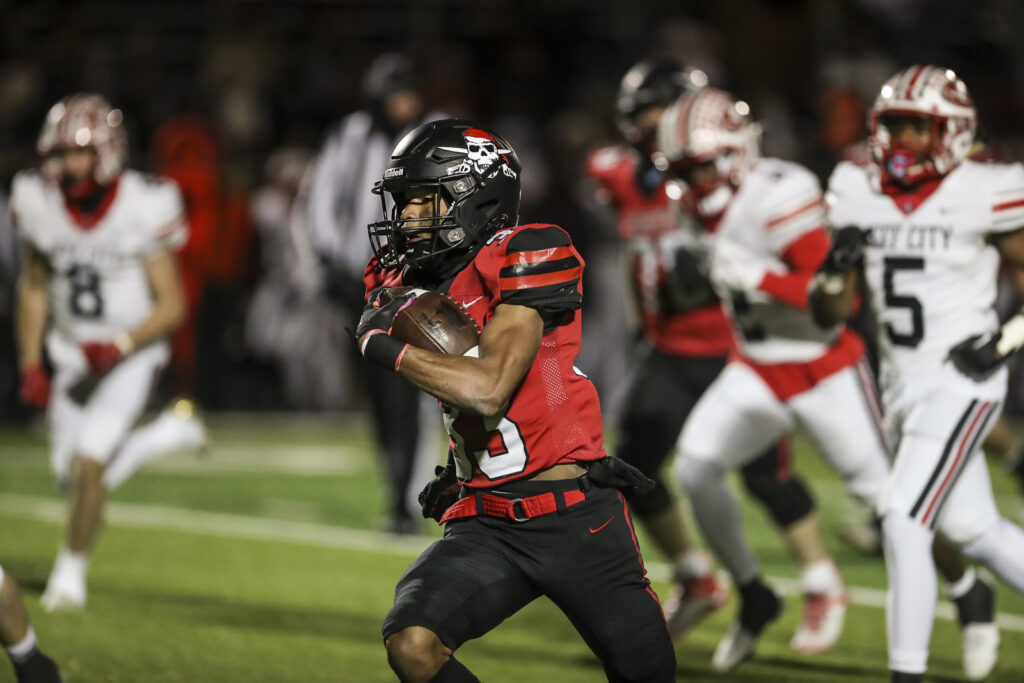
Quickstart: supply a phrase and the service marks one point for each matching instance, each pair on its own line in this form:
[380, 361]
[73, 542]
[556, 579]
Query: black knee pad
[786, 501]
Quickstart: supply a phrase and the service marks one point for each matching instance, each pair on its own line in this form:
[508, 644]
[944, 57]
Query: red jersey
[554, 416]
[648, 221]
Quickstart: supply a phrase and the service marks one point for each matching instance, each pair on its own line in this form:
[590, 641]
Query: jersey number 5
[909, 303]
[495, 444]
[85, 298]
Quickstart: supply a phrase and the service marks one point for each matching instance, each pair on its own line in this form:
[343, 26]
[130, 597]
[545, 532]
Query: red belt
[516, 509]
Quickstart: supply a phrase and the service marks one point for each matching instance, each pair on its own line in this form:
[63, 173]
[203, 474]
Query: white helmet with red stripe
[710, 125]
[924, 91]
[84, 121]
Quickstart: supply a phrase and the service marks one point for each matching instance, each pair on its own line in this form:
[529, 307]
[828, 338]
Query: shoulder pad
[541, 269]
[1007, 187]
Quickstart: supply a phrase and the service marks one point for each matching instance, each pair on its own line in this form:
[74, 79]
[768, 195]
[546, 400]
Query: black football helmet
[651, 83]
[473, 170]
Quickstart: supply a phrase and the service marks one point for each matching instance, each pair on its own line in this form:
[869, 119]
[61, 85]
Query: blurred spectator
[214, 261]
[340, 205]
[289, 321]
[9, 260]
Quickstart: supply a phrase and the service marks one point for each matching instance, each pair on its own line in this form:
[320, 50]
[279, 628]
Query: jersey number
[909, 303]
[495, 444]
[86, 301]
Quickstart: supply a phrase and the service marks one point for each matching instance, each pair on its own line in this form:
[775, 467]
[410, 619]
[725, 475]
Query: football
[434, 322]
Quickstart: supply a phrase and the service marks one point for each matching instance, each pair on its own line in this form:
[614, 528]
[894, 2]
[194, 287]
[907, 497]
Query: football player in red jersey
[689, 339]
[539, 509]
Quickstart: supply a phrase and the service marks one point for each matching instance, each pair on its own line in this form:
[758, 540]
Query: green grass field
[262, 563]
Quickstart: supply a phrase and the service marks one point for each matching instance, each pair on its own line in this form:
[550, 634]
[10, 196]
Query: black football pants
[584, 558]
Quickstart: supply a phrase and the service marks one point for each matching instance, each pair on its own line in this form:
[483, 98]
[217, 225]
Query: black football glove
[440, 492]
[977, 356]
[372, 332]
[847, 251]
[616, 473]
[688, 283]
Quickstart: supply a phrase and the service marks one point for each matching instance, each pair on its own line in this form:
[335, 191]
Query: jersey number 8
[85, 299]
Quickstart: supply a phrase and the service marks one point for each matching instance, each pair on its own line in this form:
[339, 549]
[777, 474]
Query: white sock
[72, 563]
[959, 588]
[913, 588]
[692, 564]
[164, 435]
[21, 650]
[718, 517]
[1001, 549]
[821, 577]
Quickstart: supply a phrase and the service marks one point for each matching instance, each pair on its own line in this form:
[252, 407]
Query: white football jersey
[777, 204]
[931, 272]
[98, 285]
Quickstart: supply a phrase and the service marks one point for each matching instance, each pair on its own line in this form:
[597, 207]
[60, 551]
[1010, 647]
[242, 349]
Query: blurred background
[233, 99]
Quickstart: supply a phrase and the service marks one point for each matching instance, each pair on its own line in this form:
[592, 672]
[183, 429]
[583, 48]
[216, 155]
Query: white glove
[736, 268]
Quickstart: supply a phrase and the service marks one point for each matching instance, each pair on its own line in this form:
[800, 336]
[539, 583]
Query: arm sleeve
[1007, 206]
[803, 258]
[165, 214]
[542, 270]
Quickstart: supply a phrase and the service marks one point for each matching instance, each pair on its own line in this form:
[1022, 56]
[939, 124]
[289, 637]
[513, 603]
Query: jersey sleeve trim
[527, 269]
[779, 220]
[541, 270]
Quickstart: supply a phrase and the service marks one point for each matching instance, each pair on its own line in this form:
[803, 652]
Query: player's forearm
[831, 297]
[166, 317]
[31, 322]
[471, 384]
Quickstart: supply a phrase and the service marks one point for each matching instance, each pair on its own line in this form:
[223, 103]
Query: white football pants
[739, 416]
[939, 481]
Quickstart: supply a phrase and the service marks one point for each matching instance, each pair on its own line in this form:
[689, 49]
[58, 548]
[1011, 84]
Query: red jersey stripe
[543, 280]
[793, 214]
[525, 258]
[1008, 205]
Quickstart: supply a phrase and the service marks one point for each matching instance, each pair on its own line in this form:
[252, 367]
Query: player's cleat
[759, 607]
[979, 634]
[63, 592]
[981, 650]
[65, 589]
[37, 668]
[192, 429]
[901, 677]
[822, 622]
[691, 601]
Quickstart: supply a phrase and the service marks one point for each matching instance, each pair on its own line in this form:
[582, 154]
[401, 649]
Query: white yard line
[322, 535]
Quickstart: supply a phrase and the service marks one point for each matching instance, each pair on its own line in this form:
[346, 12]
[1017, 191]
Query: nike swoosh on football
[594, 531]
[467, 304]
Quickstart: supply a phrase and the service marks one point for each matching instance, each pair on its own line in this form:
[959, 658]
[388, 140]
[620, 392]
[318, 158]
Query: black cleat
[759, 606]
[38, 668]
[901, 677]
